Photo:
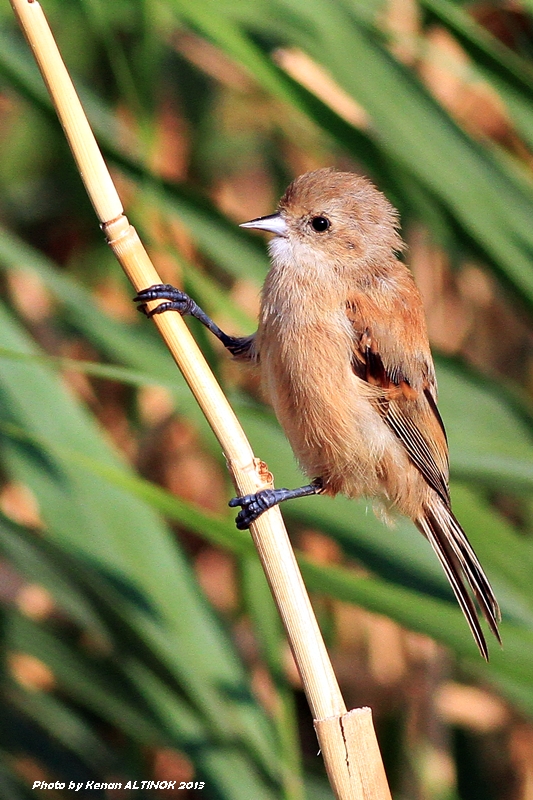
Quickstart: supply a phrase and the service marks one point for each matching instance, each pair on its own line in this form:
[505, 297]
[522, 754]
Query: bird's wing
[381, 357]
[396, 359]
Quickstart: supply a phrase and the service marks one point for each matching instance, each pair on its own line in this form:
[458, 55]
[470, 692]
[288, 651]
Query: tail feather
[456, 556]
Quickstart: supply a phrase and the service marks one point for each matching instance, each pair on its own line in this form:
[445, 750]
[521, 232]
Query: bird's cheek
[352, 244]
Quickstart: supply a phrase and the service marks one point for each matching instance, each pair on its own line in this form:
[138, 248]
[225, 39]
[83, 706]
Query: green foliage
[162, 669]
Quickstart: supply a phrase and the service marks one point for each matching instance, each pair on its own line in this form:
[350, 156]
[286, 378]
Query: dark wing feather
[449, 563]
[402, 407]
[419, 449]
[456, 555]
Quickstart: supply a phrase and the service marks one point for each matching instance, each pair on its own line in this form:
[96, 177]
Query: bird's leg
[176, 300]
[253, 505]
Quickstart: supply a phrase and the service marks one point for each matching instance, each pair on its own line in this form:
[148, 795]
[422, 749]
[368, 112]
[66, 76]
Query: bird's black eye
[320, 224]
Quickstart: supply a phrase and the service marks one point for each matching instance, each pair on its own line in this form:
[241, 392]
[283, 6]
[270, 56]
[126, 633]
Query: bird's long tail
[458, 559]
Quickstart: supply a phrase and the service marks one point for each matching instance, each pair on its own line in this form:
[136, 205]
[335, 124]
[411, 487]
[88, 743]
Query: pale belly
[327, 413]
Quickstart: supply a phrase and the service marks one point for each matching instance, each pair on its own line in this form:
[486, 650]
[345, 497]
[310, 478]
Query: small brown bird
[344, 357]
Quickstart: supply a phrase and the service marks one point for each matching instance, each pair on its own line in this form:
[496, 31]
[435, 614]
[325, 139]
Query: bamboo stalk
[347, 740]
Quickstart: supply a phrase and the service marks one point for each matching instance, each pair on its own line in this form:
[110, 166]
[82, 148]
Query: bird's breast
[322, 406]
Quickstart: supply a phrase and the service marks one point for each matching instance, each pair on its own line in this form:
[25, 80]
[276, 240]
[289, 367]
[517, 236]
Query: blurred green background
[138, 637]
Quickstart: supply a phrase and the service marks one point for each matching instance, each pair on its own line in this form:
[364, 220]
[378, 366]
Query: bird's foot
[253, 505]
[176, 300]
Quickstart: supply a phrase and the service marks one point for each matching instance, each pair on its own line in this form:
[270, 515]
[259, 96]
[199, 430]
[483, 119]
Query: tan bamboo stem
[353, 760]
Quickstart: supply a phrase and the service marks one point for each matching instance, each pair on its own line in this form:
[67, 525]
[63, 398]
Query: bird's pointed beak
[274, 223]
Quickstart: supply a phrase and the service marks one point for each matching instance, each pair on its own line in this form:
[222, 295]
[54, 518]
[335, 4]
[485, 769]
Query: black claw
[168, 306]
[252, 506]
[176, 300]
[159, 291]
